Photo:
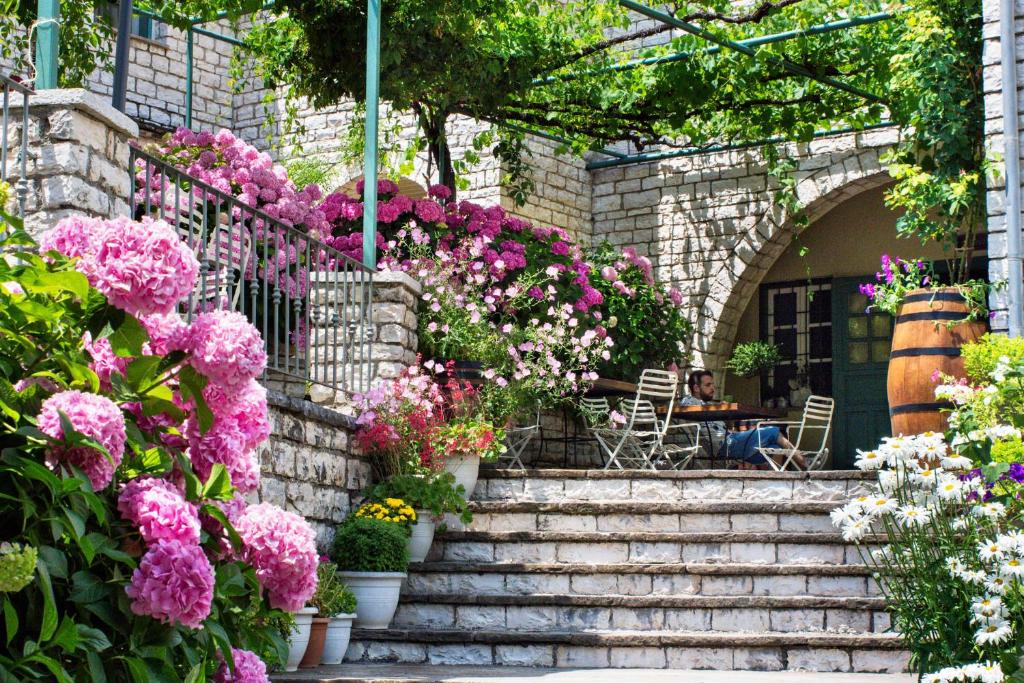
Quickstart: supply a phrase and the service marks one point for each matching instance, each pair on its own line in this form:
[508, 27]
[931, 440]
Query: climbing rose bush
[129, 436]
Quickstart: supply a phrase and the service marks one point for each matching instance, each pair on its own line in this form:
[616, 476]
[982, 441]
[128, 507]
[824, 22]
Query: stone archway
[730, 287]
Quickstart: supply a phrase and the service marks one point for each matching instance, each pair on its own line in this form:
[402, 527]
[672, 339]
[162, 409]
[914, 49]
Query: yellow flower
[380, 515]
[394, 502]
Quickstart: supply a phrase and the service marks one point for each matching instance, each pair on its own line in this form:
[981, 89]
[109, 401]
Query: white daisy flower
[990, 550]
[957, 462]
[996, 585]
[869, 460]
[993, 633]
[987, 672]
[1012, 567]
[880, 505]
[948, 487]
[856, 529]
[989, 510]
[845, 514]
[913, 516]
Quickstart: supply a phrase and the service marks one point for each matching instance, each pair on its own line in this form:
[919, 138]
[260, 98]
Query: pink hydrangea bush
[225, 347]
[160, 511]
[281, 546]
[173, 584]
[94, 416]
[249, 668]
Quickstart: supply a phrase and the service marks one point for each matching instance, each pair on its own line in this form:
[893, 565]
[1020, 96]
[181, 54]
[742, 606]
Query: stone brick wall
[562, 195]
[77, 157]
[711, 226]
[993, 84]
[308, 465]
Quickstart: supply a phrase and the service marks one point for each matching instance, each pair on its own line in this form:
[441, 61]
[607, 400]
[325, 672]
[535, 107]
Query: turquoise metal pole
[370, 144]
[189, 43]
[47, 44]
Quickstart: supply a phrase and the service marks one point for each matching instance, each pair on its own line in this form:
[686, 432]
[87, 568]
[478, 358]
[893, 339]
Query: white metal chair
[516, 441]
[640, 440]
[809, 436]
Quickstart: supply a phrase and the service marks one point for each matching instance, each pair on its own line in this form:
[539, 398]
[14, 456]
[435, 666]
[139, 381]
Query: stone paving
[411, 673]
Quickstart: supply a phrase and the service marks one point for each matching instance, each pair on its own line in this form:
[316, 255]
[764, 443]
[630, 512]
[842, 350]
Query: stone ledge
[304, 408]
[695, 568]
[77, 98]
[718, 537]
[648, 601]
[826, 475]
[600, 507]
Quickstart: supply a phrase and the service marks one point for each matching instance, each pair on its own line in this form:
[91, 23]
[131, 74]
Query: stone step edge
[766, 537]
[744, 639]
[648, 601]
[824, 475]
[611, 507]
[700, 568]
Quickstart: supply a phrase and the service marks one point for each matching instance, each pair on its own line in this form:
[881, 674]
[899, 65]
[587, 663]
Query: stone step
[732, 515]
[876, 653]
[646, 547]
[554, 612]
[694, 485]
[482, 578]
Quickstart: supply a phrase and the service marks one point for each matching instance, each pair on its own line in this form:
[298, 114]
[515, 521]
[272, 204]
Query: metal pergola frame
[47, 57]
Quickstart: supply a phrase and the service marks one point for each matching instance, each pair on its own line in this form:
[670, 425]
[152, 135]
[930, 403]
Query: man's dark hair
[696, 377]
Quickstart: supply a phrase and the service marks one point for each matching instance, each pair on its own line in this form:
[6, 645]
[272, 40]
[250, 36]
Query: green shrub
[753, 358]
[435, 491]
[364, 544]
[982, 357]
[332, 596]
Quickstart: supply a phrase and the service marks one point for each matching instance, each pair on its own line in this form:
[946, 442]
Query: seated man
[735, 445]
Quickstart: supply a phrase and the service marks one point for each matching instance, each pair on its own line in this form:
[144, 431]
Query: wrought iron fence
[14, 154]
[311, 302]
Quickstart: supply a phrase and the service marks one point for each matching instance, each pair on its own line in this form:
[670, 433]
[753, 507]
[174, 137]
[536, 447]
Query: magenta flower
[439, 192]
[226, 348]
[173, 584]
[249, 668]
[281, 547]
[95, 416]
[429, 211]
[167, 332]
[560, 248]
[104, 361]
[224, 443]
[159, 510]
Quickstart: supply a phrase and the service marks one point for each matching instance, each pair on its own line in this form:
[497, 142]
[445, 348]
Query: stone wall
[308, 465]
[711, 226]
[993, 84]
[562, 192]
[77, 156]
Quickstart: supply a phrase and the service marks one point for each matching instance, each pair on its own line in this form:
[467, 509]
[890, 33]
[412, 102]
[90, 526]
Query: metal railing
[16, 165]
[311, 303]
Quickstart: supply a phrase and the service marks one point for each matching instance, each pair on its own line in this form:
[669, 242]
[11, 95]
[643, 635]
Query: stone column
[77, 157]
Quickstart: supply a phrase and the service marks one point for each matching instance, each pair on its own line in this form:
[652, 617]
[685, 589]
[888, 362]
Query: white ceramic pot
[376, 596]
[466, 468]
[299, 638]
[339, 630]
[422, 536]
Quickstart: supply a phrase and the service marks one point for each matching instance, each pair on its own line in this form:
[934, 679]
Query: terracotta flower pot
[315, 648]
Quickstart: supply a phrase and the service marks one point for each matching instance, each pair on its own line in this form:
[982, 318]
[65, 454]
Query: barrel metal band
[938, 296]
[931, 315]
[919, 407]
[948, 351]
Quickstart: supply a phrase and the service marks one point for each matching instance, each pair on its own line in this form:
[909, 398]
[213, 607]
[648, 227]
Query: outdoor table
[723, 412]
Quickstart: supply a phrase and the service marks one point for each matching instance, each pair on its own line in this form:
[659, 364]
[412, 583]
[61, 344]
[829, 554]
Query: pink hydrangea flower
[226, 348]
[249, 668]
[94, 416]
[104, 361]
[160, 511]
[72, 236]
[142, 268]
[245, 405]
[167, 332]
[223, 443]
[173, 584]
[281, 547]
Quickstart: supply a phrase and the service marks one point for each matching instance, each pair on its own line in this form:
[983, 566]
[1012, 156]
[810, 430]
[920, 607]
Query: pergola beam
[559, 138]
[789, 66]
[828, 27]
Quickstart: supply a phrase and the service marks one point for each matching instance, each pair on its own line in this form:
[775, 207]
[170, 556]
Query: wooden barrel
[924, 341]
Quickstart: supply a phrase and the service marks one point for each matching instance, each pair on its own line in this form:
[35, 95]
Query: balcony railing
[14, 140]
[311, 303]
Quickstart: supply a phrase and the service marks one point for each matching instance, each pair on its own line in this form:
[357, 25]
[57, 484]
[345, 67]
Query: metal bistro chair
[640, 440]
[816, 424]
[516, 441]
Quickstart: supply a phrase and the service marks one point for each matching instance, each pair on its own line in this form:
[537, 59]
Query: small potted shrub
[335, 602]
[431, 495]
[372, 558]
[753, 359]
[463, 443]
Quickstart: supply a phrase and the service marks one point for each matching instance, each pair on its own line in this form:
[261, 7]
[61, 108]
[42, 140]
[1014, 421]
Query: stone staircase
[691, 570]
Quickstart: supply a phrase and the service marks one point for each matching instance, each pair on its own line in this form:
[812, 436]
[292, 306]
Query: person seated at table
[734, 445]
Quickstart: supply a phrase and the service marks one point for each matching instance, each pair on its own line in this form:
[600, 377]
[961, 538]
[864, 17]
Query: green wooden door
[860, 361]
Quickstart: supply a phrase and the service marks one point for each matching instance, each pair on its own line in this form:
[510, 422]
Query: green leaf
[137, 669]
[10, 620]
[218, 514]
[142, 371]
[192, 385]
[86, 587]
[128, 338]
[93, 638]
[197, 674]
[218, 485]
[66, 636]
[46, 282]
[49, 623]
[97, 673]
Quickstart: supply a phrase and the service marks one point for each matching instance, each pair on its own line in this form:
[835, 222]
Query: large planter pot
[299, 638]
[315, 648]
[376, 596]
[339, 630]
[466, 468]
[924, 341]
[422, 536]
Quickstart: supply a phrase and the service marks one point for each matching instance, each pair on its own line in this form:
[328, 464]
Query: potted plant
[372, 559]
[298, 636]
[462, 443]
[431, 495]
[336, 603]
[932, 323]
[753, 359]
